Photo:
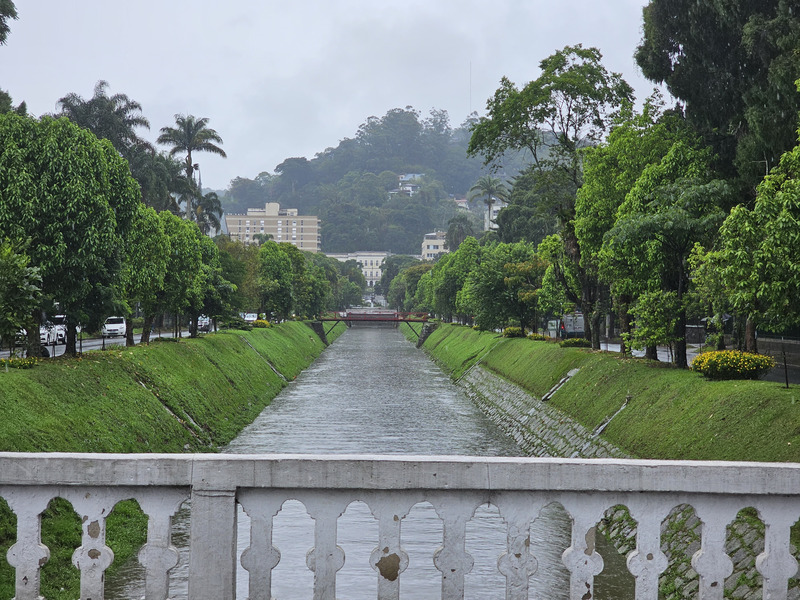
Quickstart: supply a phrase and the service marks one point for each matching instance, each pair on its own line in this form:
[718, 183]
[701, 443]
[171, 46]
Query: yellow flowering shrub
[732, 364]
[261, 323]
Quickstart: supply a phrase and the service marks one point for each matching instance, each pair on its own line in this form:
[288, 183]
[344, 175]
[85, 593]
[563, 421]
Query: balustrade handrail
[390, 485]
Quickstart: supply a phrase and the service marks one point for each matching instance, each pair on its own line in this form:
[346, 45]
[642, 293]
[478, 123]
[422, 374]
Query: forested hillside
[350, 186]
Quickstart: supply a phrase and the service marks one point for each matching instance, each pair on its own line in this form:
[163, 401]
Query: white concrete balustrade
[391, 486]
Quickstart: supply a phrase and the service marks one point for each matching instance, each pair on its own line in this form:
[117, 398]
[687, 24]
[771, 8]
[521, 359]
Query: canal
[373, 392]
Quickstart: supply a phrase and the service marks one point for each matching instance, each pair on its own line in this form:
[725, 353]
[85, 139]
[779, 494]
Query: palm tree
[114, 118]
[7, 12]
[207, 210]
[493, 189]
[458, 229]
[190, 135]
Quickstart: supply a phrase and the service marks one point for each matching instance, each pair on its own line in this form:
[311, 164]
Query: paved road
[95, 343]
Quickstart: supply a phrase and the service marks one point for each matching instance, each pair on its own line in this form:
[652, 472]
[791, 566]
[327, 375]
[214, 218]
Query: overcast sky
[292, 78]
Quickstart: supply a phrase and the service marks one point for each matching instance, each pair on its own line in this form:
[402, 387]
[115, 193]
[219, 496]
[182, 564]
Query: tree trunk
[651, 352]
[596, 317]
[750, 342]
[680, 340]
[147, 325]
[72, 334]
[129, 333]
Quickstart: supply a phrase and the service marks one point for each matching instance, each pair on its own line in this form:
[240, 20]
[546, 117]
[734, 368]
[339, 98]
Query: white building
[369, 261]
[490, 221]
[433, 245]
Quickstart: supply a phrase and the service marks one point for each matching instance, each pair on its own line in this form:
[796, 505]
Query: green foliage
[19, 289]
[7, 12]
[538, 337]
[575, 343]
[732, 364]
[73, 197]
[758, 259]
[261, 324]
[513, 332]
[656, 316]
[733, 66]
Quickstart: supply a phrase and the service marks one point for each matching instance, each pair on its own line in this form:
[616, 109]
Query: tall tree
[72, 195]
[568, 107]
[7, 12]
[759, 256]
[115, 118]
[733, 66]
[490, 189]
[189, 135]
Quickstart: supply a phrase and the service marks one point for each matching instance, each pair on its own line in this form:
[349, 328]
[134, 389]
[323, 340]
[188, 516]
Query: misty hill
[354, 187]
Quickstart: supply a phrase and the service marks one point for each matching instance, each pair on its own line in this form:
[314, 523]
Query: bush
[235, 322]
[732, 364]
[538, 337]
[17, 363]
[513, 332]
[576, 343]
[261, 324]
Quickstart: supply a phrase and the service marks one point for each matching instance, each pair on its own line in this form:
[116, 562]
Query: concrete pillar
[212, 564]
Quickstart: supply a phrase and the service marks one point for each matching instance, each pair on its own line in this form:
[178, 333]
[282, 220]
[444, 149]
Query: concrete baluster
[388, 558]
[647, 561]
[261, 557]
[326, 558]
[158, 556]
[517, 563]
[28, 554]
[212, 561]
[711, 562]
[581, 559]
[776, 563]
[451, 558]
[93, 557]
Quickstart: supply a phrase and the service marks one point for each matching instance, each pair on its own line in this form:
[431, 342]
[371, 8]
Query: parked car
[47, 333]
[114, 326]
[60, 325]
[203, 323]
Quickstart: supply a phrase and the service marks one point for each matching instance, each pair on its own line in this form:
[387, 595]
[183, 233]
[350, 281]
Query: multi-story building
[433, 245]
[283, 224]
[370, 262]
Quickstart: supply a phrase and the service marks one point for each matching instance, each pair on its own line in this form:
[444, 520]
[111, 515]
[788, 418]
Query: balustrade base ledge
[399, 472]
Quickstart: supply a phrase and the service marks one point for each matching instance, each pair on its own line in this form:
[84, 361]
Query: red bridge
[374, 317]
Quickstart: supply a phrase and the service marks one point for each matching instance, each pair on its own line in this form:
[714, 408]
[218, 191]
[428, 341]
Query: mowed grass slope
[188, 395]
[671, 413]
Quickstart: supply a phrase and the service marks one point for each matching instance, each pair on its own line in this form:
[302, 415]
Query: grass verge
[185, 395]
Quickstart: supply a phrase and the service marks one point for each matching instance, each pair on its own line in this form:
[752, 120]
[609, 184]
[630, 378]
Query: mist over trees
[352, 187]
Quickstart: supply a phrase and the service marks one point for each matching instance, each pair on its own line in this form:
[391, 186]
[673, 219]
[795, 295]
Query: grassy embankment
[672, 413]
[189, 395]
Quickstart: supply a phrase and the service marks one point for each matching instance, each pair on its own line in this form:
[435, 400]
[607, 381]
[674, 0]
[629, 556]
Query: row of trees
[659, 215]
[77, 238]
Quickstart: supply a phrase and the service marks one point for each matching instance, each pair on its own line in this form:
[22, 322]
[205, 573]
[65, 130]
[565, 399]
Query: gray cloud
[281, 79]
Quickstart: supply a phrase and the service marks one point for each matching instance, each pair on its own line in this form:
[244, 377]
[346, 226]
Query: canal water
[373, 392]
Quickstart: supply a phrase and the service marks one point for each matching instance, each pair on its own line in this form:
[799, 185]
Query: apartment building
[433, 245]
[370, 262]
[283, 224]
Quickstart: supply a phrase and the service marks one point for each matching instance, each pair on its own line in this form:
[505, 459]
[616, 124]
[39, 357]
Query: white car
[113, 327]
[47, 334]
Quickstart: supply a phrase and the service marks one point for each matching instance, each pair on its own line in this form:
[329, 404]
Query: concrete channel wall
[540, 429]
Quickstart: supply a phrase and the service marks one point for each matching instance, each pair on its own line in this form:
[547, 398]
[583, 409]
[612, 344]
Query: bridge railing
[391, 486]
